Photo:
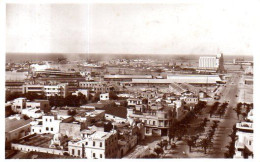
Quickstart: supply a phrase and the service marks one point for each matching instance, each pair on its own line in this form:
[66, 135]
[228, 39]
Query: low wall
[36, 149]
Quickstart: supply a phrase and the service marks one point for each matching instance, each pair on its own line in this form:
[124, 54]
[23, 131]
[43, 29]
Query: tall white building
[209, 62]
[59, 90]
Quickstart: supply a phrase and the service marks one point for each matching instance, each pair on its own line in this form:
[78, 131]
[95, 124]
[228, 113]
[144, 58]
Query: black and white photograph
[129, 80]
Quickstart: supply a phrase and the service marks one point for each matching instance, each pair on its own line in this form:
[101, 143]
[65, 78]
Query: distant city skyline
[177, 28]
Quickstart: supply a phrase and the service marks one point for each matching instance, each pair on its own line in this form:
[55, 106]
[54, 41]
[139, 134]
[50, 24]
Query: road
[221, 140]
[230, 118]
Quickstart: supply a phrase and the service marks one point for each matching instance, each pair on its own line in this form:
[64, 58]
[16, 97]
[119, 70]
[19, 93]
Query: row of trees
[70, 100]
[30, 96]
[222, 109]
[206, 142]
[58, 101]
[179, 128]
[231, 147]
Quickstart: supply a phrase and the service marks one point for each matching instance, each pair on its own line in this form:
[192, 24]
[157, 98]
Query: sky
[136, 28]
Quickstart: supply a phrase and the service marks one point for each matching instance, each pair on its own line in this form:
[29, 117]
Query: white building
[43, 105]
[82, 91]
[104, 96]
[95, 145]
[209, 62]
[18, 104]
[244, 143]
[59, 90]
[48, 124]
[134, 101]
[33, 112]
[33, 88]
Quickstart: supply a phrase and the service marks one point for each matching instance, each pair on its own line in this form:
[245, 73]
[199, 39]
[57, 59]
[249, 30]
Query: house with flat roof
[116, 114]
[244, 142]
[16, 127]
[95, 145]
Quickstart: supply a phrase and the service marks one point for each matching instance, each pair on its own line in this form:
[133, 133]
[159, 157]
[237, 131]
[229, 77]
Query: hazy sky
[176, 28]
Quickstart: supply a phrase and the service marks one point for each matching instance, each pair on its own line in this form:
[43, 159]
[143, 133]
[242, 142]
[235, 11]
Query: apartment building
[244, 143]
[48, 124]
[95, 145]
[157, 122]
[59, 90]
[18, 104]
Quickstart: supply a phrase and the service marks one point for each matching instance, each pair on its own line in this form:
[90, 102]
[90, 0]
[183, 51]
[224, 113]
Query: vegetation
[205, 144]
[238, 109]
[30, 96]
[70, 100]
[231, 147]
[213, 108]
[191, 141]
[158, 151]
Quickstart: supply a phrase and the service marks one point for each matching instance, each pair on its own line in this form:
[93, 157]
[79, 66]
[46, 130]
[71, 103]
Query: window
[46, 119]
[72, 151]
[33, 130]
[40, 130]
[94, 155]
[100, 155]
[153, 122]
[47, 128]
[51, 129]
[50, 120]
[147, 130]
[86, 143]
[94, 143]
[100, 144]
[78, 152]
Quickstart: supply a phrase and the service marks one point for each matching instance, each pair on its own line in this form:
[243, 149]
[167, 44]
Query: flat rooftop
[128, 76]
[37, 140]
[12, 124]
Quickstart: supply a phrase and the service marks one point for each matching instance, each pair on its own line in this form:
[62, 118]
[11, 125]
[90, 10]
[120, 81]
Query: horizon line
[42, 53]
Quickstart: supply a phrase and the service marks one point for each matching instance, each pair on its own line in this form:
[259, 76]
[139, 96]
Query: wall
[36, 149]
[17, 133]
[114, 118]
[70, 129]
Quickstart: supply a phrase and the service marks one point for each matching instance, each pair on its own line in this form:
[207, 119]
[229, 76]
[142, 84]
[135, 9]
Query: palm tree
[205, 143]
[190, 142]
[195, 138]
[238, 109]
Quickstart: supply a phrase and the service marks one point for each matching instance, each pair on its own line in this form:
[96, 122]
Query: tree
[95, 98]
[215, 124]
[213, 108]
[56, 101]
[82, 99]
[150, 156]
[112, 95]
[172, 131]
[158, 151]
[205, 143]
[190, 142]
[238, 109]
[32, 96]
[72, 112]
